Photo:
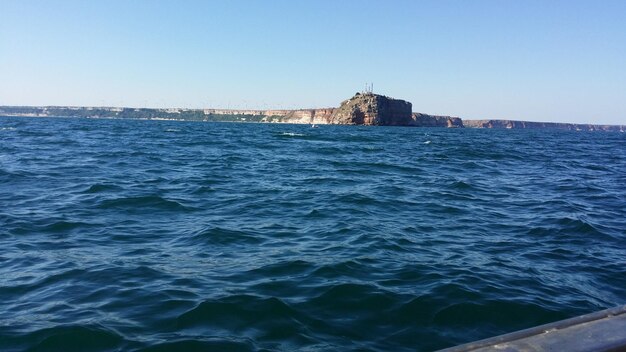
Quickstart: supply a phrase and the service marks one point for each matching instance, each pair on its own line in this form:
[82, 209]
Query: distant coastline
[300, 116]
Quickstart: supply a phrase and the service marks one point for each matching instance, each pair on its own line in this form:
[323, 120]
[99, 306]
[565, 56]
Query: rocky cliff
[312, 116]
[425, 120]
[369, 109]
[362, 109]
[531, 124]
[373, 109]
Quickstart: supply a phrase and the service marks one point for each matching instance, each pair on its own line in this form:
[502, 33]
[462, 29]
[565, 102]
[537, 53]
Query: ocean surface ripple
[162, 236]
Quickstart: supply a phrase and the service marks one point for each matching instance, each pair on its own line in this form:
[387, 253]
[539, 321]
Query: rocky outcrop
[369, 109]
[276, 112]
[510, 124]
[362, 109]
[425, 120]
[373, 109]
[312, 116]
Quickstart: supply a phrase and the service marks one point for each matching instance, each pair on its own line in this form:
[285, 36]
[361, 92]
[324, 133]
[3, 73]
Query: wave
[265, 319]
[201, 344]
[143, 202]
[70, 338]
[567, 229]
[101, 187]
[215, 235]
[496, 313]
[64, 226]
[291, 134]
[286, 268]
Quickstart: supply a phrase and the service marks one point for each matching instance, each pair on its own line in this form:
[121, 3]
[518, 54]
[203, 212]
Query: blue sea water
[121, 235]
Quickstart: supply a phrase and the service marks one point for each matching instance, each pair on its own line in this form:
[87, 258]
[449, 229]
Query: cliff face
[424, 120]
[531, 124]
[362, 109]
[373, 109]
[314, 116]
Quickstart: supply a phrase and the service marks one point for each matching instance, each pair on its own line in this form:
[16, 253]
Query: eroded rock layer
[425, 120]
[373, 109]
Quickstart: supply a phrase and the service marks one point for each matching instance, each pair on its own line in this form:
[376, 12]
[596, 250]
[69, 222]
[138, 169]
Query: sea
[138, 235]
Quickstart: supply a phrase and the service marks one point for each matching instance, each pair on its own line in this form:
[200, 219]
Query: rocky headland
[373, 109]
[364, 108]
[367, 109]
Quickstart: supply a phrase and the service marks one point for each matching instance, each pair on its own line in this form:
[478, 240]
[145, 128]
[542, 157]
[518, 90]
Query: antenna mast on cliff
[369, 88]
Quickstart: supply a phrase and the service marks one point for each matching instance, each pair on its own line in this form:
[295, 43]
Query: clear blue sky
[532, 60]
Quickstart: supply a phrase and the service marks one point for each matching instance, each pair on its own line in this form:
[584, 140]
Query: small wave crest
[291, 134]
[101, 187]
[568, 229]
[215, 235]
[268, 319]
[143, 202]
